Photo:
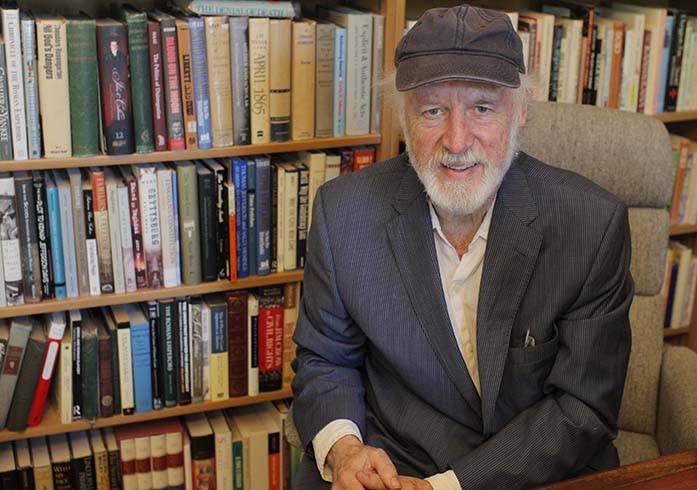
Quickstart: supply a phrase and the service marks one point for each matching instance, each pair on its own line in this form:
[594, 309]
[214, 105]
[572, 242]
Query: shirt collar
[482, 231]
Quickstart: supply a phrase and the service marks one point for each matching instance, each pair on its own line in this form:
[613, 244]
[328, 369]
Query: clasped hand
[356, 466]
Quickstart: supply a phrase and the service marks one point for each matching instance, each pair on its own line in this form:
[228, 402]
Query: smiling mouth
[459, 168]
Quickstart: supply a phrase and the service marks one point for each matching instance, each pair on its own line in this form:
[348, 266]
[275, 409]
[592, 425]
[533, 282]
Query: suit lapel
[511, 254]
[411, 237]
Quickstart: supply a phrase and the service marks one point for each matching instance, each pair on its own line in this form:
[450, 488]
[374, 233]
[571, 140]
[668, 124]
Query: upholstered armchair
[629, 154]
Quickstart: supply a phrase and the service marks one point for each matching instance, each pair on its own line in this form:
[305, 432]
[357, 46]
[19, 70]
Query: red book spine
[159, 121]
[643, 78]
[137, 234]
[106, 379]
[274, 450]
[237, 342]
[232, 232]
[173, 99]
[363, 157]
[48, 364]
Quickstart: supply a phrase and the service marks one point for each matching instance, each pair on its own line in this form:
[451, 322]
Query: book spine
[239, 65]
[124, 218]
[324, 76]
[76, 328]
[290, 217]
[378, 58]
[252, 216]
[221, 224]
[270, 338]
[175, 460]
[674, 70]
[239, 168]
[129, 478]
[91, 243]
[136, 233]
[15, 81]
[115, 89]
[232, 229]
[71, 273]
[123, 336]
[142, 380]
[203, 458]
[187, 84]
[78, 230]
[43, 235]
[303, 213]
[5, 124]
[263, 214]
[28, 239]
[159, 120]
[158, 457]
[199, 69]
[207, 219]
[219, 353]
[339, 109]
[291, 297]
[106, 378]
[54, 226]
[247, 8]
[252, 345]
[16, 348]
[168, 349]
[237, 341]
[273, 242]
[63, 391]
[114, 469]
[10, 242]
[303, 75]
[218, 54]
[177, 234]
[31, 87]
[165, 194]
[195, 322]
[83, 80]
[149, 212]
[101, 220]
[183, 335]
[155, 346]
[139, 61]
[113, 214]
[101, 470]
[259, 80]
[279, 72]
[116, 376]
[62, 476]
[25, 388]
[143, 466]
[89, 357]
[173, 100]
[189, 224]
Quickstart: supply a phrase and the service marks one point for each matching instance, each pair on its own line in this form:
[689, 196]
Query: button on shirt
[460, 278]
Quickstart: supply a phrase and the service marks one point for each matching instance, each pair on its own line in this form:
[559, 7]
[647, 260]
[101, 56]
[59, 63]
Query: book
[54, 329]
[62, 392]
[165, 195]
[251, 216]
[24, 464]
[75, 326]
[156, 343]
[102, 229]
[303, 213]
[187, 84]
[339, 105]
[61, 462]
[303, 75]
[150, 223]
[158, 460]
[83, 85]
[239, 66]
[42, 233]
[376, 72]
[66, 202]
[4, 337]
[218, 54]
[41, 462]
[54, 88]
[175, 459]
[223, 449]
[199, 71]
[324, 79]
[126, 234]
[260, 123]
[189, 222]
[219, 371]
[27, 379]
[255, 441]
[112, 450]
[118, 317]
[183, 334]
[85, 250]
[207, 197]
[140, 351]
[237, 341]
[9, 476]
[31, 84]
[5, 124]
[270, 337]
[279, 72]
[240, 183]
[247, 8]
[139, 64]
[112, 181]
[9, 241]
[143, 461]
[262, 209]
[55, 232]
[101, 459]
[28, 239]
[82, 461]
[203, 464]
[11, 31]
[221, 225]
[115, 86]
[159, 120]
[105, 363]
[20, 330]
[291, 305]
[252, 344]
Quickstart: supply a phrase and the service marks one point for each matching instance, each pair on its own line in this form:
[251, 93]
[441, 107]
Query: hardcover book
[237, 341]
[82, 461]
[11, 32]
[303, 75]
[5, 124]
[28, 239]
[280, 80]
[27, 379]
[55, 232]
[31, 87]
[60, 462]
[9, 241]
[66, 202]
[91, 247]
[159, 120]
[189, 227]
[89, 362]
[20, 330]
[42, 234]
[270, 337]
[218, 57]
[199, 72]
[324, 79]
[239, 66]
[259, 80]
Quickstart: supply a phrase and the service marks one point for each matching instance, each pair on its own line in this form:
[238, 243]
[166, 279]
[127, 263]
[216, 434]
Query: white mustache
[458, 160]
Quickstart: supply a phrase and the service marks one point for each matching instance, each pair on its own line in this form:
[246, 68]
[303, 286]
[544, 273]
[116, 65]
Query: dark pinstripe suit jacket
[376, 345]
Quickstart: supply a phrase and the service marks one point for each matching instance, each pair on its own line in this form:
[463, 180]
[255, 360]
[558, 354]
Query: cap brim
[426, 69]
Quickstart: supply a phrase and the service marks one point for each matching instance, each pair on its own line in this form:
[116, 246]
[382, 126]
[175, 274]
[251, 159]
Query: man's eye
[433, 112]
[482, 109]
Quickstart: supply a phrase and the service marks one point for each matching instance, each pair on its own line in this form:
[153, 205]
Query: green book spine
[237, 465]
[168, 352]
[84, 98]
[90, 371]
[140, 80]
[189, 225]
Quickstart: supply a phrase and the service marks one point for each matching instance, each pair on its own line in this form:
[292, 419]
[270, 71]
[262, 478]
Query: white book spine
[12, 270]
[290, 209]
[65, 385]
[158, 450]
[378, 54]
[31, 88]
[123, 337]
[127, 452]
[15, 81]
[152, 239]
[144, 478]
[252, 356]
[93, 266]
[165, 193]
[175, 474]
[129, 271]
[358, 63]
[206, 341]
[112, 200]
[68, 234]
[3, 297]
[280, 217]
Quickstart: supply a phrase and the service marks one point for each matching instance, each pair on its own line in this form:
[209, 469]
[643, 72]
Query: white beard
[463, 198]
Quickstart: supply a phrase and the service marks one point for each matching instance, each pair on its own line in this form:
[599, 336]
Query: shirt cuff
[444, 481]
[325, 439]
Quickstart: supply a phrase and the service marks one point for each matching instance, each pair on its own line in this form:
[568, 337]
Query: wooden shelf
[682, 229]
[673, 332]
[169, 156]
[668, 117]
[141, 295]
[51, 421]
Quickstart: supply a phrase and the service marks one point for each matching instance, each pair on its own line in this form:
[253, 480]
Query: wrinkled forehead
[459, 90]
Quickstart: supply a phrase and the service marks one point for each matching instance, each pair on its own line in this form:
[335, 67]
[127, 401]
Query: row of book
[683, 207]
[175, 80]
[96, 230]
[679, 285]
[235, 449]
[136, 358]
[627, 57]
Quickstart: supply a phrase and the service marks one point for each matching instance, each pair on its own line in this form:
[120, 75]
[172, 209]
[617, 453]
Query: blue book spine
[218, 330]
[199, 67]
[142, 376]
[239, 174]
[252, 215]
[263, 212]
[176, 226]
[340, 82]
[665, 64]
[54, 228]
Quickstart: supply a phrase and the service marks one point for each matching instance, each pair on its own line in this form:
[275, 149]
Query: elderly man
[464, 322]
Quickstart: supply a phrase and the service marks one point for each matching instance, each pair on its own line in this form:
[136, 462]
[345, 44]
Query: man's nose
[459, 133]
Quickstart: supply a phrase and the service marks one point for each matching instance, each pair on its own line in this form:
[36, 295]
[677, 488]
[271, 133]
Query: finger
[385, 469]
[371, 480]
[348, 481]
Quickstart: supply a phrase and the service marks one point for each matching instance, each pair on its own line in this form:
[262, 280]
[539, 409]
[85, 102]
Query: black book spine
[303, 203]
[677, 47]
[273, 254]
[28, 237]
[5, 127]
[184, 396]
[83, 473]
[114, 469]
[221, 221]
[207, 211]
[43, 235]
[62, 476]
[168, 352]
[155, 346]
[77, 369]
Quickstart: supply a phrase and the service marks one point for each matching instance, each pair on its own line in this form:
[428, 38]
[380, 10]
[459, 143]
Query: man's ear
[523, 115]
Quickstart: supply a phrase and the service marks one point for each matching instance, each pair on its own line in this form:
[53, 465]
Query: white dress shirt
[460, 278]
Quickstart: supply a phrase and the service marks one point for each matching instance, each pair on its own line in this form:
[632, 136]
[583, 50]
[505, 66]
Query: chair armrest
[676, 428]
